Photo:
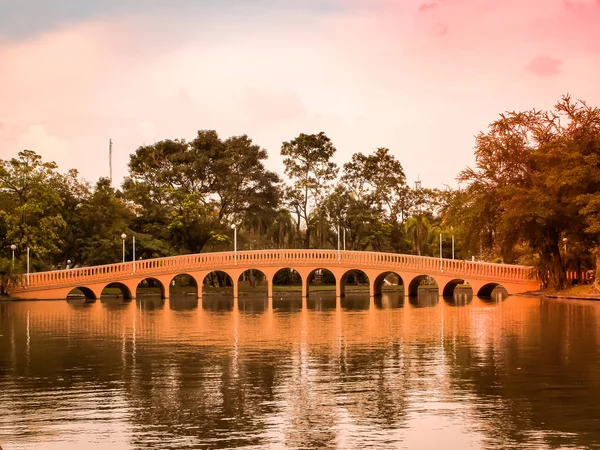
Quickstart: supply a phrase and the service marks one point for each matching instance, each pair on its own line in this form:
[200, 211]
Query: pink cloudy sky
[419, 78]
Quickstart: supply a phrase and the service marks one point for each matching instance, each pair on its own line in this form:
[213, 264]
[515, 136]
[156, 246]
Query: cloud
[427, 7]
[375, 73]
[544, 66]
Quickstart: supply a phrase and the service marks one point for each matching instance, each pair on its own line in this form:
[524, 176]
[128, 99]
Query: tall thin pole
[27, 266]
[344, 239]
[235, 244]
[339, 254]
[110, 160]
[441, 252]
[123, 250]
[133, 254]
[452, 246]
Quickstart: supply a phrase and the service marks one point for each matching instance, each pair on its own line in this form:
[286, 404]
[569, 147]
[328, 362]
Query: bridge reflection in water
[195, 373]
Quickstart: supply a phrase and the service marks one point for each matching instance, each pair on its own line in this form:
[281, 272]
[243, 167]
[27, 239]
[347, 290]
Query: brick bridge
[482, 277]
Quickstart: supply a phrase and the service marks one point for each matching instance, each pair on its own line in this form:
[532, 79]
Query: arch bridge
[411, 270]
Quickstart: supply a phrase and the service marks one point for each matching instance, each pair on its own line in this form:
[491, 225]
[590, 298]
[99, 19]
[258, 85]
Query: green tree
[9, 276]
[379, 180]
[307, 160]
[30, 210]
[102, 217]
[190, 192]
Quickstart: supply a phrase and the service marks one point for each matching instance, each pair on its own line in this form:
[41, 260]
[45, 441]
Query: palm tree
[418, 229]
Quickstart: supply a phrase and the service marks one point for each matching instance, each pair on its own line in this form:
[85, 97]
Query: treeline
[531, 198]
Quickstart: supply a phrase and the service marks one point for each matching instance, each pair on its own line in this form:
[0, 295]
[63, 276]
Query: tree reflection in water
[362, 372]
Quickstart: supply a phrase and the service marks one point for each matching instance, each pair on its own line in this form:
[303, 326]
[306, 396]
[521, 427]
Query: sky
[421, 78]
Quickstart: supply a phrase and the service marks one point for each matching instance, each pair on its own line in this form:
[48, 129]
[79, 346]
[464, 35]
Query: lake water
[384, 374]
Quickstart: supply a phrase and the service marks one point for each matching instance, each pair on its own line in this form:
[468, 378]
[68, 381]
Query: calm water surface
[389, 373]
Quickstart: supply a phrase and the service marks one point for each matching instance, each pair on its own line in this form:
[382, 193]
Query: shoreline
[582, 292]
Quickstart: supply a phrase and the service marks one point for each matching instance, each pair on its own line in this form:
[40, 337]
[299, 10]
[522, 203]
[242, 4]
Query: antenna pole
[110, 160]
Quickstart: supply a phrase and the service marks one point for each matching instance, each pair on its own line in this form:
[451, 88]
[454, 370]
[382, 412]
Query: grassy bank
[584, 291]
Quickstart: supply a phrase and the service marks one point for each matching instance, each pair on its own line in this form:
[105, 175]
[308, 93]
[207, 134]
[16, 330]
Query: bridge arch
[322, 277]
[357, 277]
[151, 286]
[125, 291]
[287, 279]
[493, 291]
[77, 292]
[389, 278]
[181, 283]
[217, 280]
[452, 285]
[426, 281]
[253, 280]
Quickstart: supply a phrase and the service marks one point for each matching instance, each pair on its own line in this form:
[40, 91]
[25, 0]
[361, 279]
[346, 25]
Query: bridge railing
[284, 258]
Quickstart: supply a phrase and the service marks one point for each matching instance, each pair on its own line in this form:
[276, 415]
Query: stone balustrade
[281, 258]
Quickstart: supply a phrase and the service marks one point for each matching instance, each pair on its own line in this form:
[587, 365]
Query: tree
[103, 217]
[30, 209]
[535, 172]
[364, 224]
[190, 192]
[308, 164]
[379, 180]
[9, 275]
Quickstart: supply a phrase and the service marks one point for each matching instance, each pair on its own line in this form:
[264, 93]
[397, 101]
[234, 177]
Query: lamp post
[441, 270]
[123, 236]
[452, 246]
[338, 236]
[133, 254]
[344, 238]
[234, 228]
[13, 247]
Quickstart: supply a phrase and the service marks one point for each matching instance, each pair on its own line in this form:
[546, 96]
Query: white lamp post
[123, 236]
[13, 248]
[133, 254]
[234, 228]
[339, 254]
[441, 269]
